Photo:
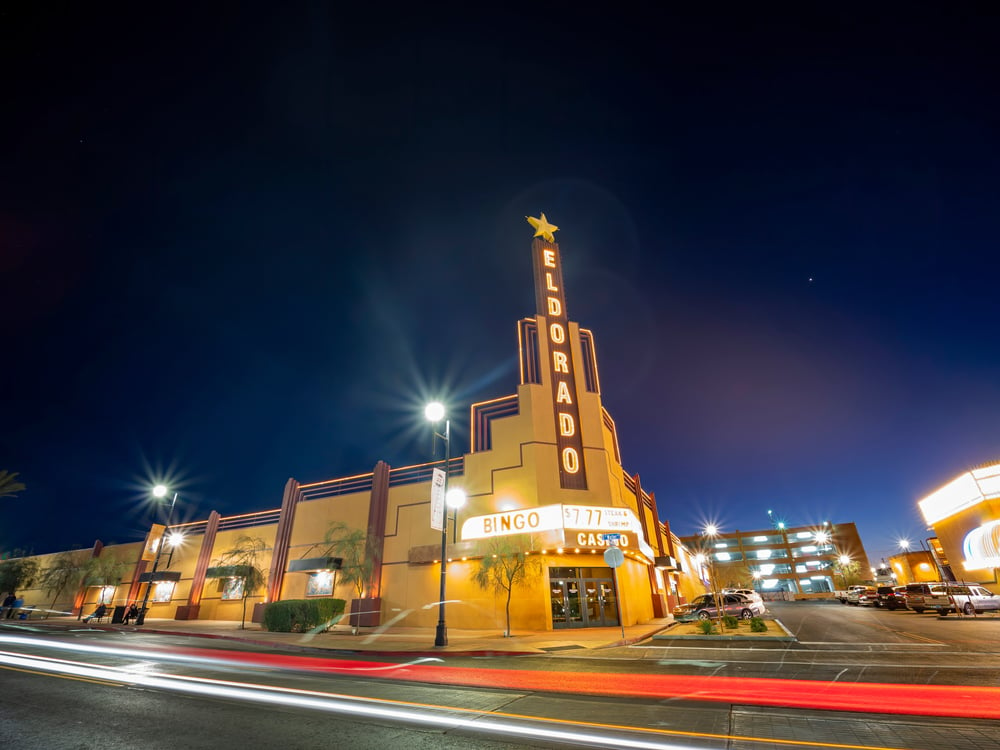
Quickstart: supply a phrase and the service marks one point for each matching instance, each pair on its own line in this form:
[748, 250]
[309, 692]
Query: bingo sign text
[551, 303]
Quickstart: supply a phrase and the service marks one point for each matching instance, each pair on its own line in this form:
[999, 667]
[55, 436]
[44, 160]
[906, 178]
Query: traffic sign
[611, 537]
[613, 557]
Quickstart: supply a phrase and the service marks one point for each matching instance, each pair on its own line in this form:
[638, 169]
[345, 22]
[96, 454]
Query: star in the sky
[542, 228]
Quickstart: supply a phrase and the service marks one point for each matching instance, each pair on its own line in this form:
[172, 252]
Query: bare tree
[18, 573]
[65, 571]
[358, 554]
[505, 566]
[244, 562]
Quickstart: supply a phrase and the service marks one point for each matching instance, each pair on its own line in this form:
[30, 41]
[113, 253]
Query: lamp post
[159, 491]
[435, 413]
[845, 561]
[711, 532]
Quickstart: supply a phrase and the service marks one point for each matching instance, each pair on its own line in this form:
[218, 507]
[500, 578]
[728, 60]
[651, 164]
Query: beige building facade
[542, 474]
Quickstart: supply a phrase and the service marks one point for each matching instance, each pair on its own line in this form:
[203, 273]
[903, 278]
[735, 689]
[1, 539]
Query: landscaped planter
[690, 631]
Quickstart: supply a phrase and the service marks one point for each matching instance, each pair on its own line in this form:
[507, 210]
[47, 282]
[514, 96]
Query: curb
[278, 646]
[786, 638]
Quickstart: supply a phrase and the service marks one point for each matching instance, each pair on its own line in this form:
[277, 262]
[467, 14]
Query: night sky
[243, 244]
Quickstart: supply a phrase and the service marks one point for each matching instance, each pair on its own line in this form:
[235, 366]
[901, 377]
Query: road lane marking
[407, 711]
[922, 638]
[62, 676]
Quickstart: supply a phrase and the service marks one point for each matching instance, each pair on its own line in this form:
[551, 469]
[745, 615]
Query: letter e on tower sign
[551, 305]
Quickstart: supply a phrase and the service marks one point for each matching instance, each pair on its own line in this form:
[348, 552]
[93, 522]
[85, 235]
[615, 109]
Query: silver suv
[966, 598]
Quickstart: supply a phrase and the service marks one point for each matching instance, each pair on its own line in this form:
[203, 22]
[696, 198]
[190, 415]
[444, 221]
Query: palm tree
[244, 563]
[9, 486]
[504, 566]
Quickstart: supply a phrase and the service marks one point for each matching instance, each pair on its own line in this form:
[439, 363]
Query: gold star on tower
[542, 228]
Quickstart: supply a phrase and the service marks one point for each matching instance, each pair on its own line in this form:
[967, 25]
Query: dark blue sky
[245, 244]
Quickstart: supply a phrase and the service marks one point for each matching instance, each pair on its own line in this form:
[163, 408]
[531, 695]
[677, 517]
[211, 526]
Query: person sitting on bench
[99, 613]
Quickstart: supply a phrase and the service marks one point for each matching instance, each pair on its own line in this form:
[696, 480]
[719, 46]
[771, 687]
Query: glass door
[565, 597]
[608, 601]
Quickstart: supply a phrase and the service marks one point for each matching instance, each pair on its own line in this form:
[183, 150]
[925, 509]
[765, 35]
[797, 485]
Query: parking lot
[830, 622]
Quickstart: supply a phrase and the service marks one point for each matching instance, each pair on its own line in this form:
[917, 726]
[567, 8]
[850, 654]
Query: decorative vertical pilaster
[204, 558]
[378, 507]
[282, 540]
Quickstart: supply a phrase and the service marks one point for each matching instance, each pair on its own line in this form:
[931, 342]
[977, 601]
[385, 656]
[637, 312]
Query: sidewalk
[407, 640]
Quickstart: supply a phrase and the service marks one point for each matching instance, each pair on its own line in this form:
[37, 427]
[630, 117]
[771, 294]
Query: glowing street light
[712, 531]
[435, 412]
[904, 544]
[159, 492]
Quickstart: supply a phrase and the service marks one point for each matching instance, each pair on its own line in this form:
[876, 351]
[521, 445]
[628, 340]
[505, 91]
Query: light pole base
[441, 635]
[141, 617]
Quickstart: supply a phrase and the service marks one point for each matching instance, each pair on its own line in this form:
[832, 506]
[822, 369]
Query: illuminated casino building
[542, 475]
[965, 517]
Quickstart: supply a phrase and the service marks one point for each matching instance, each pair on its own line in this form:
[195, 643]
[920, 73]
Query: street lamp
[159, 491]
[712, 531]
[904, 544]
[844, 561]
[434, 412]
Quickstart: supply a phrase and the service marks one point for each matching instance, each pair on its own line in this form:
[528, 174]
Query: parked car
[703, 608]
[916, 594]
[845, 595]
[855, 593]
[868, 598]
[891, 597]
[966, 598]
[749, 594]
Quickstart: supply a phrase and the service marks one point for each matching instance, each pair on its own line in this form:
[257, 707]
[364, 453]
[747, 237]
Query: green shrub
[706, 626]
[299, 615]
[731, 622]
[757, 625]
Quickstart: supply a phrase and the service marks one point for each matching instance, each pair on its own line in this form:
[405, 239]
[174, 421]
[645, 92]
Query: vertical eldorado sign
[551, 302]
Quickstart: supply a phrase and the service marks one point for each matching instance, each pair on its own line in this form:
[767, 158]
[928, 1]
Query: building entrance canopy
[581, 525]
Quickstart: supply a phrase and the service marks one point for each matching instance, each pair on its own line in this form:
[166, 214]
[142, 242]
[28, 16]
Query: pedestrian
[8, 605]
[100, 612]
[131, 614]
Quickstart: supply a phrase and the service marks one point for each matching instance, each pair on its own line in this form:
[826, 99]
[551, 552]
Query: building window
[232, 589]
[163, 592]
[759, 539]
[320, 584]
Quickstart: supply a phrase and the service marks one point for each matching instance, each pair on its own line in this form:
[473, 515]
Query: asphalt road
[139, 698]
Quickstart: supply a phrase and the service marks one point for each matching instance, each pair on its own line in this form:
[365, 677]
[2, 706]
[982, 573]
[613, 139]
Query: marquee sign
[581, 525]
[550, 301]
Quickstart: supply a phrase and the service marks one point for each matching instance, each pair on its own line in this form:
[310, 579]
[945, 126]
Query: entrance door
[583, 602]
[609, 603]
[566, 611]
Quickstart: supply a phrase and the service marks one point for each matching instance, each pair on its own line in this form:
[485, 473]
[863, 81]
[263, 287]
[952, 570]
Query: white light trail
[440, 717]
